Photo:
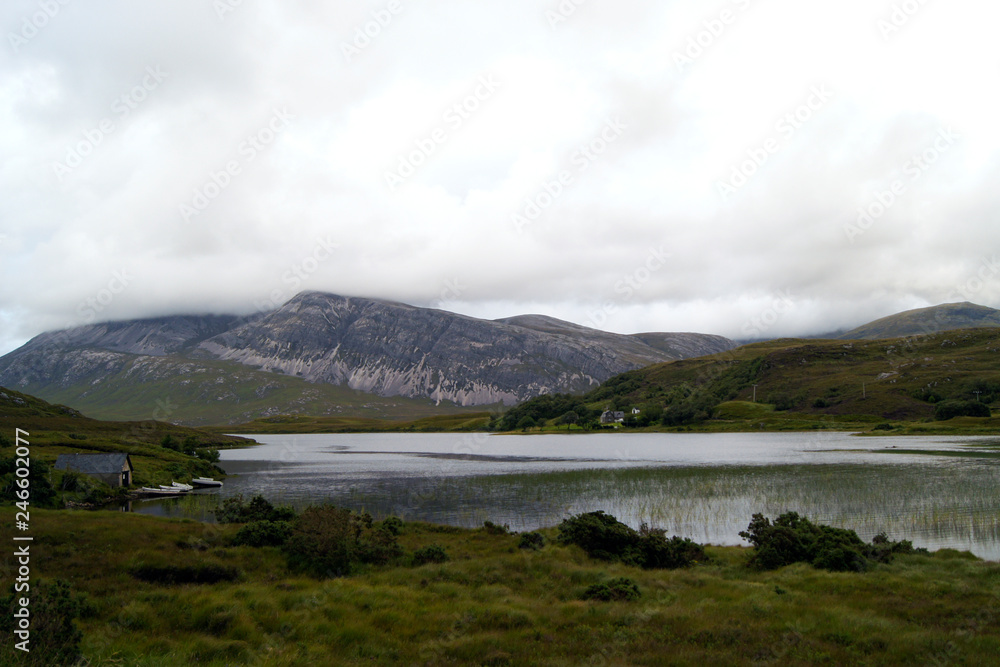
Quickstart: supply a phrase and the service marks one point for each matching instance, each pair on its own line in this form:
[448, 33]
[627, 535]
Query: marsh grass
[492, 603]
[942, 506]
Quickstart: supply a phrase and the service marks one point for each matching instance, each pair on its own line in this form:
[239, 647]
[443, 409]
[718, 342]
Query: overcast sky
[740, 167]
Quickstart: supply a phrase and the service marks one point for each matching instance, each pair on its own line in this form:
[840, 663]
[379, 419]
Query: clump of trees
[794, 539]
[604, 537]
[946, 410]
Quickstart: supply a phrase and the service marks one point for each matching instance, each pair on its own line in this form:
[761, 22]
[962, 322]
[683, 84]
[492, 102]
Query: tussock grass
[492, 603]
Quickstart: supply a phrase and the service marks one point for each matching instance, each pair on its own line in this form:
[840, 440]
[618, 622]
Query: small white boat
[205, 481]
[182, 487]
[167, 491]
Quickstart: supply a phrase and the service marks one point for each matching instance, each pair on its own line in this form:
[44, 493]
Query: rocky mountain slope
[320, 350]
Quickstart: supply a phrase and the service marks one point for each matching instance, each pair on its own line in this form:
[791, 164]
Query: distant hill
[892, 379]
[935, 319]
[326, 355]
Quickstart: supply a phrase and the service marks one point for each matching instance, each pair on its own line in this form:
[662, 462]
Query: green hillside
[56, 429]
[935, 319]
[797, 384]
[224, 392]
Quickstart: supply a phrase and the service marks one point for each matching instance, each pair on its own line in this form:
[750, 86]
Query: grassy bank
[493, 603]
[729, 417]
[447, 423]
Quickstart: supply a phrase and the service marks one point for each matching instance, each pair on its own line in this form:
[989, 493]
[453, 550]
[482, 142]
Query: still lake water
[702, 486]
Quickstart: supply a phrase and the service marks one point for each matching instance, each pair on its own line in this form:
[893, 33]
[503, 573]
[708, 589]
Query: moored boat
[167, 491]
[205, 482]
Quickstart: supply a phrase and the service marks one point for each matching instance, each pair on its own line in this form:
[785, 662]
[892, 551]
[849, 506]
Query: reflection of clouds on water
[701, 486]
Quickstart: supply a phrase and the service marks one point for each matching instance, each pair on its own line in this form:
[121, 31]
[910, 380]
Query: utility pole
[977, 393]
[755, 393]
[864, 394]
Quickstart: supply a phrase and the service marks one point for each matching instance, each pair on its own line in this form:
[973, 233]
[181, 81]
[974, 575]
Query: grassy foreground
[494, 604]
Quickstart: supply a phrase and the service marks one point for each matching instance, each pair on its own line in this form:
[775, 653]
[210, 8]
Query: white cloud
[322, 177]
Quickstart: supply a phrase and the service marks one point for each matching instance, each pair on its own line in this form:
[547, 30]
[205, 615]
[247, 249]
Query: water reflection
[701, 486]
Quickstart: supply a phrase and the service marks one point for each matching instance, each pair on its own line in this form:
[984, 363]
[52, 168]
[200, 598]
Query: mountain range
[326, 354]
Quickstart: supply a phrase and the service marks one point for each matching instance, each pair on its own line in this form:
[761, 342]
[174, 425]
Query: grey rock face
[380, 347]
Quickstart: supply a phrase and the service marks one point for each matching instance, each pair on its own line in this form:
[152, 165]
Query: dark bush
[171, 575]
[950, 409]
[603, 537]
[54, 639]
[263, 534]
[210, 455]
[533, 541]
[328, 541]
[41, 493]
[660, 553]
[392, 524]
[882, 549]
[430, 554]
[794, 539]
[496, 529]
[621, 589]
[237, 510]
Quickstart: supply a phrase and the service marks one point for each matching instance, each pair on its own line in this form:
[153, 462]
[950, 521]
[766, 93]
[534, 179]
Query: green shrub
[430, 554]
[950, 409]
[661, 553]
[603, 537]
[328, 541]
[171, 575]
[392, 524]
[41, 493]
[621, 589]
[532, 541]
[237, 510]
[54, 639]
[496, 529]
[794, 539]
[210, 455]
[263, 534]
